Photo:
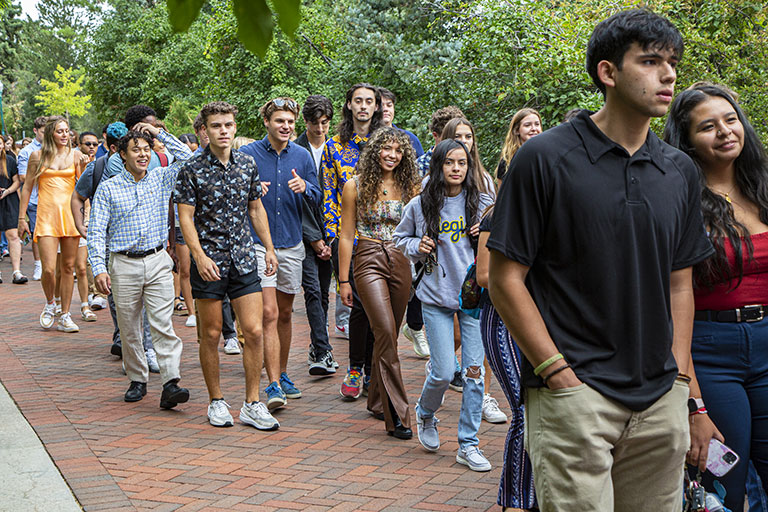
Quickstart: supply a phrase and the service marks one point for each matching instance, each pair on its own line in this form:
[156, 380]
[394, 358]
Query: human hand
[270, 260]
[702, 431]
[23, 228]
[297, 184]
[207, 269]
[146, 128]
[345, 292]
[326, 254]
[563, 379]
[103, 283]
[426, 245]
[318, 246]
[475, 230]
[265, 187]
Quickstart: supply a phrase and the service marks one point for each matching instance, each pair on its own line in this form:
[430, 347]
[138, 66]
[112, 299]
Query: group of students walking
[622, 309]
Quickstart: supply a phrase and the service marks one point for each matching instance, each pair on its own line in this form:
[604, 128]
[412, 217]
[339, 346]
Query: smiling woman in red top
[730, 336]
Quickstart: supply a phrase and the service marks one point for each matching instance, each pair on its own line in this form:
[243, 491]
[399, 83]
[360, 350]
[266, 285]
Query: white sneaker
[152, 361]
[191, 321]
[48, 316]
[342, 331]
[473, 458]
[419, 340]
[57, 300]
[218, 414]
[257, 415]
[231, 346]
[38, 272]
[99, 303]
[491, 411]
[66, 324]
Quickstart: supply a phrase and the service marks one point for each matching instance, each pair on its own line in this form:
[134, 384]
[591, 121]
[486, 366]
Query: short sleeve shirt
[220, 194]
[602, 231]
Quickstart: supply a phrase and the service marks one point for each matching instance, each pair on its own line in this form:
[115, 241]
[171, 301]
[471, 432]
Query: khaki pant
[590, 453]
[147, 281]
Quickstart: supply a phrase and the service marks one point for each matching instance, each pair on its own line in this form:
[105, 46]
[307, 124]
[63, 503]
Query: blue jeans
[438, 322]
[3, 242]
[755, 492]
[731, 363]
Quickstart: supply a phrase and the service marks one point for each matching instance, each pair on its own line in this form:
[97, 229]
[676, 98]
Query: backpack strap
[98, 172]
[163, 159]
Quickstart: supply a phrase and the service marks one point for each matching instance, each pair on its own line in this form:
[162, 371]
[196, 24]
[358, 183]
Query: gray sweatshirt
[454, 252]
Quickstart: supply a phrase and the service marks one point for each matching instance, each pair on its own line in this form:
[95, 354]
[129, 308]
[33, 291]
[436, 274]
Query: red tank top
[754, 285]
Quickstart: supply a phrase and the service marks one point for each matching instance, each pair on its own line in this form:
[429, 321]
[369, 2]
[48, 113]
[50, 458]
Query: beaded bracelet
[545, 379]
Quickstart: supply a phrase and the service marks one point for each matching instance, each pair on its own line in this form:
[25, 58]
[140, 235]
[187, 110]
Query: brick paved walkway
[327, 455]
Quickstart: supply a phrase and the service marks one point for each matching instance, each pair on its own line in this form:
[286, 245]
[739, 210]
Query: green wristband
[547, 363]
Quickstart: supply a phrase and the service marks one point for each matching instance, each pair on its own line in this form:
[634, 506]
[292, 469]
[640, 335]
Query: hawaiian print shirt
[337, 165]
[220, 195]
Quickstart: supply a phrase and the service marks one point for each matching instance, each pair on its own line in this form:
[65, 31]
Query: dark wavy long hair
[368, 170]
[751, 169]
[347, 125]
[433, 195]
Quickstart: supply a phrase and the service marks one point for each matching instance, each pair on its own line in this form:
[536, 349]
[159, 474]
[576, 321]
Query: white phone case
[720, 459]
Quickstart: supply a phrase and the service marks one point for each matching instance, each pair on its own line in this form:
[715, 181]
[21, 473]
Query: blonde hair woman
[526, 123]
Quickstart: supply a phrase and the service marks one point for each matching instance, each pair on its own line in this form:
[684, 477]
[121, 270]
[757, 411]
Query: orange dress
[54, 213]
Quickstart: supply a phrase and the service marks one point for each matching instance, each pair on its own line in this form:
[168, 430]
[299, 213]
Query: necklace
[727, 195]
[384, 191]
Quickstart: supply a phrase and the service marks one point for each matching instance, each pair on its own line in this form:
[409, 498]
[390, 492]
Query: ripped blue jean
[439, 325]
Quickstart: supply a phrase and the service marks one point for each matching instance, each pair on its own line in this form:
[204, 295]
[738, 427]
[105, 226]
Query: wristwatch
[696, 405]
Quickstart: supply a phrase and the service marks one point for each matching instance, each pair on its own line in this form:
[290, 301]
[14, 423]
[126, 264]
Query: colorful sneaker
[66, 324]
[152, 360]
[342, 331]
[256, 415]
[288, 387]
[473, 458]
[275, 397]
[491, 411]
[48, 316]
[457, 384]
[419, 340]
[231, 346]
[218, 413]
[352, 385]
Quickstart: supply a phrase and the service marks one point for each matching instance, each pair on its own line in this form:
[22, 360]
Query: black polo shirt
[601, 232]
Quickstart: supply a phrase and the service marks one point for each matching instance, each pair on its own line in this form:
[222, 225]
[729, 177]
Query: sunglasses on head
[280, 103]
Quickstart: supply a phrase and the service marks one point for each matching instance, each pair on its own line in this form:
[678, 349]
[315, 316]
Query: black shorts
[233, 284]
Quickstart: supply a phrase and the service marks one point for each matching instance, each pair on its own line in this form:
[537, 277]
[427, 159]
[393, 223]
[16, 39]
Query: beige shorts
[287, 279]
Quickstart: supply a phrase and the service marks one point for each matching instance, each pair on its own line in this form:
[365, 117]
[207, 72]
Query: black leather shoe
[116, 350]
[136, 392]
[400, 431]
[173, 395]
[378, 415]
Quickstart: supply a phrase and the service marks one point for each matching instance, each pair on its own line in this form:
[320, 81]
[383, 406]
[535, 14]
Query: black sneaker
[19, 278]
[173, 395]
[457, 384]
[323, 366]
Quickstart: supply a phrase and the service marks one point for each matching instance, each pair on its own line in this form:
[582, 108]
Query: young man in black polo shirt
[594, 235]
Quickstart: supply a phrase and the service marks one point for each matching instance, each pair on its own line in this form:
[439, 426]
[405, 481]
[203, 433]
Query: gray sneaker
[427, 432]
[218, 414]
[473, 458]
[257, 415]
[152, 361]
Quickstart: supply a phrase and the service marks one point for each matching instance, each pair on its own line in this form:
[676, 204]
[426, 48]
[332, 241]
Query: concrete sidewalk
[30, 479]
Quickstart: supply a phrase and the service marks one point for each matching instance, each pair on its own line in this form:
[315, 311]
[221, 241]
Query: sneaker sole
[224, 424]
[68, 329]
[496, 420]
[276, 403]
[293, 396]
[321, 370]
[480, 469]
[232, 352]
[351, 397]
[46, 326]
[457, 389]
[253, 423]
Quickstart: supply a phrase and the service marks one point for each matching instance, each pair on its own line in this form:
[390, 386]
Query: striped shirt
[130, 215]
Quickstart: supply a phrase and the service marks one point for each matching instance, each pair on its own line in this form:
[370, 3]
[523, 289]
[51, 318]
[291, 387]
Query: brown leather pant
[383, 278]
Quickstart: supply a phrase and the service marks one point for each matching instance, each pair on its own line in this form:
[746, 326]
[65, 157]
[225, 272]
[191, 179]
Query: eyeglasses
[280, 103]
[90, 144]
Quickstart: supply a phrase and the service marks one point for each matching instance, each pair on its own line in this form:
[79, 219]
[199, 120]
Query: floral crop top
[380, 221]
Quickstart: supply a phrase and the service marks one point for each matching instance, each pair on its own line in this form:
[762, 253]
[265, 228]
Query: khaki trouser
[590, 453]
[149, 281]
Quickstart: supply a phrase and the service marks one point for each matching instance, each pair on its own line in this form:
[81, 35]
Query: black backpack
[98, 171]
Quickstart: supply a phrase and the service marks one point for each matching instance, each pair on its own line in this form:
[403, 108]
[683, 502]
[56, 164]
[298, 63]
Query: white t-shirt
[317, 154]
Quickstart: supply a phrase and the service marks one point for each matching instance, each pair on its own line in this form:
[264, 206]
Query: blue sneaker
[275, 397]
[290, 390]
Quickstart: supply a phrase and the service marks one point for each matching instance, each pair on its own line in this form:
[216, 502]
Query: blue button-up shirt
[283, 206]
[132, 215]
[23, 160]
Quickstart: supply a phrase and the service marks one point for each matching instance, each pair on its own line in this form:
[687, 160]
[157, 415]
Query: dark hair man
[88, 144]
[126, 236]
[134, 115]
[103, 148]
[316, 268]
[440, 118]
[199, 127]
[218, 195]
[361, 116]
[288, 170]
[388, 100]
[594, 234]
[21, 162]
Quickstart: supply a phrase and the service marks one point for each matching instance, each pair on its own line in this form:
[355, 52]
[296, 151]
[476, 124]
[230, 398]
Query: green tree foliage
[63, 97]
[10, 40]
